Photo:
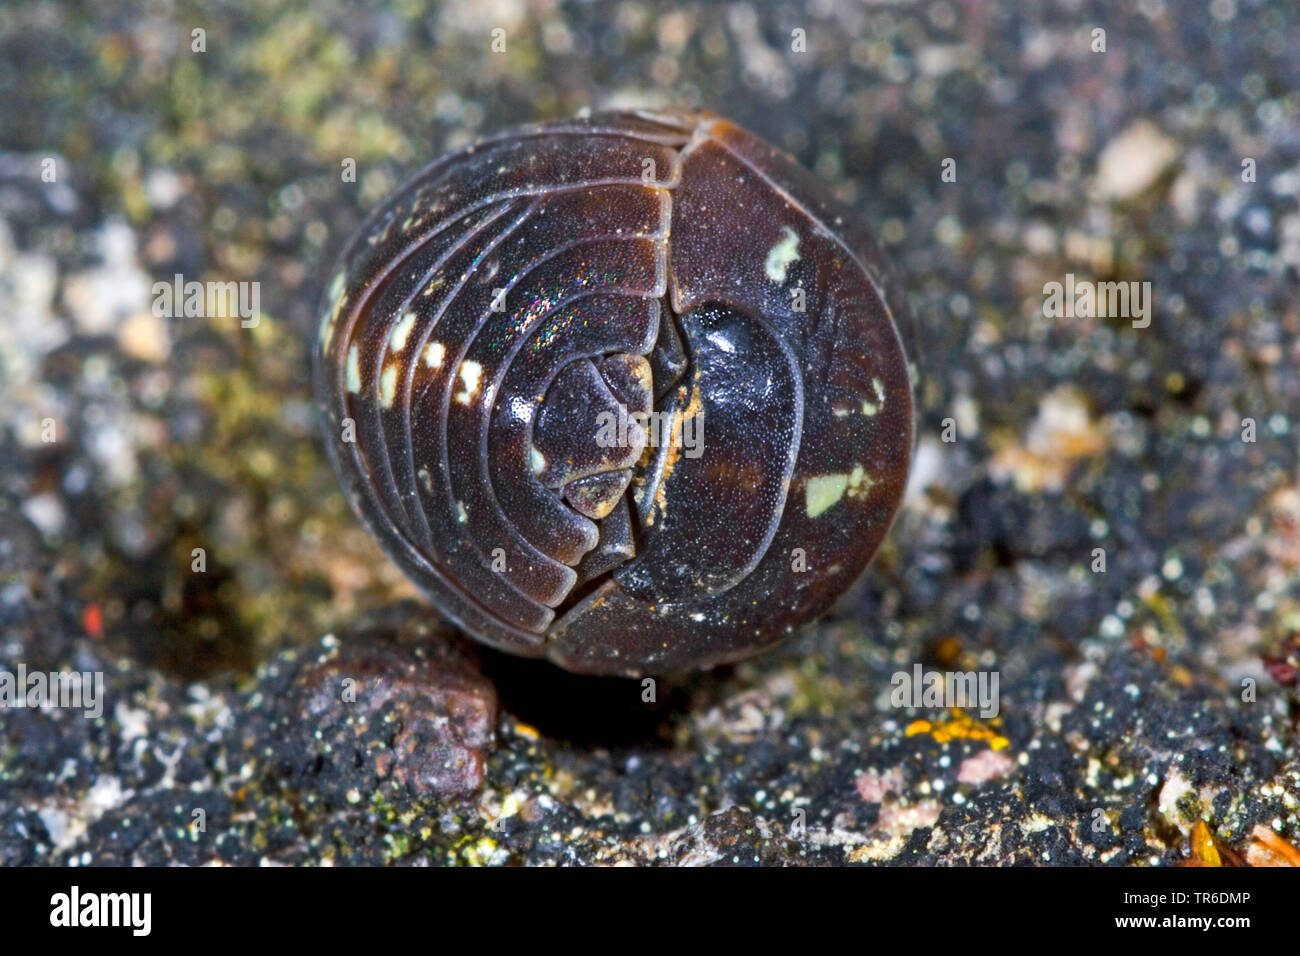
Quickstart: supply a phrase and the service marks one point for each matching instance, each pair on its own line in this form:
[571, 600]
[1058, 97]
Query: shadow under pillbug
[626, 391]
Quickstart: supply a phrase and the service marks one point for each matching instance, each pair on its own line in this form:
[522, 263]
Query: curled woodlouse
[627, 391]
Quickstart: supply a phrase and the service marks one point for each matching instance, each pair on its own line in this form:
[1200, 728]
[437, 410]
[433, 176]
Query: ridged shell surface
[627, 391]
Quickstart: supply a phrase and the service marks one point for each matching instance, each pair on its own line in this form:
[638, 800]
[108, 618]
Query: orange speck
[1204, 852]
[960, 727]
[1269, 849]
[92, 619]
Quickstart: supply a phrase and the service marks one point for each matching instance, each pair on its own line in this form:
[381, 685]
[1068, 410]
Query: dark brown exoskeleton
[625, 391]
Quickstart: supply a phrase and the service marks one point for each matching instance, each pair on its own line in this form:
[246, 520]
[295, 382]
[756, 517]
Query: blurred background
[139, 141]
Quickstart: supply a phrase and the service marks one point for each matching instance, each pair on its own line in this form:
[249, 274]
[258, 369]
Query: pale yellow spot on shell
[397, 338]
[470, 373]
[823, 492]
[538, 461]
[337, 298]
[433, 354]
[354, 371]
[782, 254]
[859, 481]
[388, 386]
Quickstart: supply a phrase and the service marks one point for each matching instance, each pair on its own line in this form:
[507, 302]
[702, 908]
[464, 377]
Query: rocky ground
[295, 702]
